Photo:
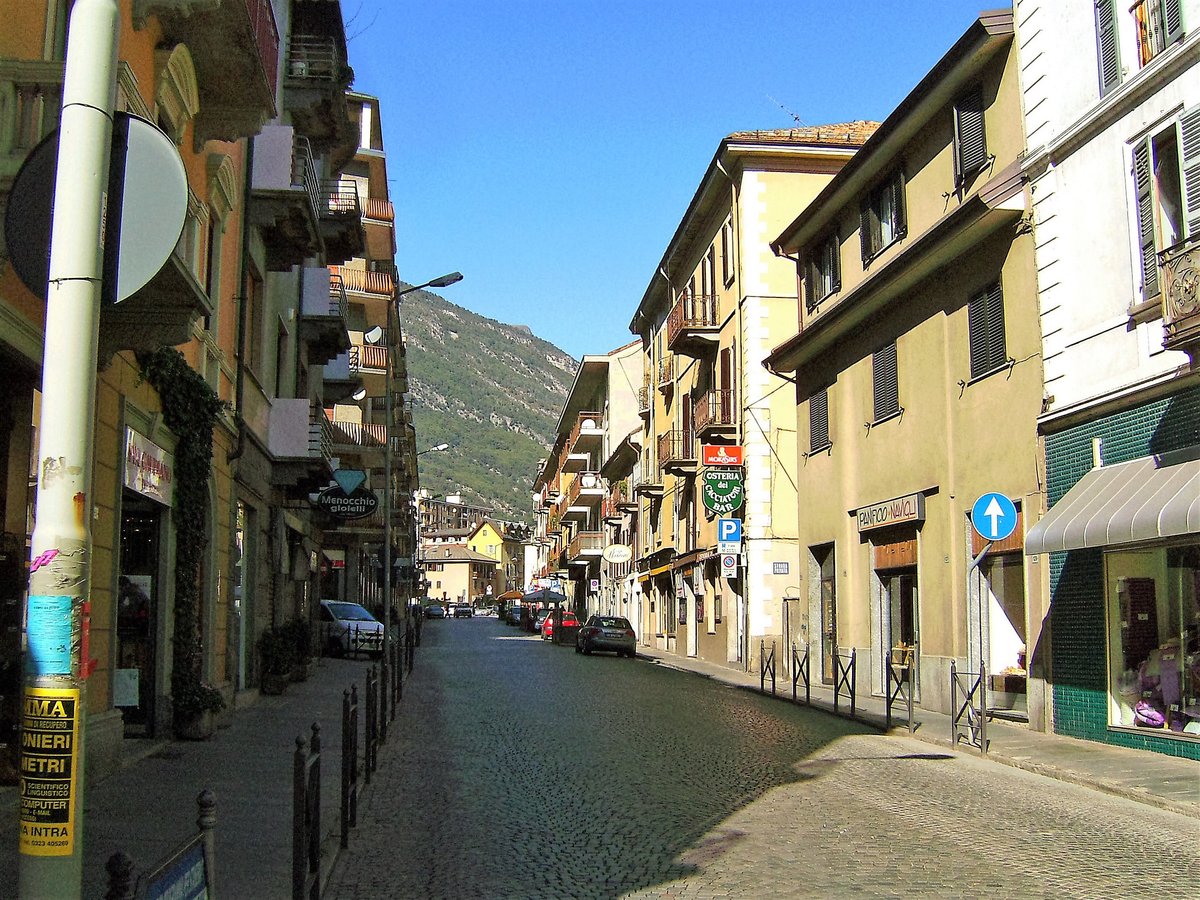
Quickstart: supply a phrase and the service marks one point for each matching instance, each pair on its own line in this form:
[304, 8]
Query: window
[256, 299]
[823, 272]
[882, 217]
[1167, 212]
[1107, 46]
[970, 143]
[885, 382]
[708, 273]
[818, 421]
[727, 251]
[1159, 24]
[985, 322]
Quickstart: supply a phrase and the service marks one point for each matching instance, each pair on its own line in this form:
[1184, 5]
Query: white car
[348, 628]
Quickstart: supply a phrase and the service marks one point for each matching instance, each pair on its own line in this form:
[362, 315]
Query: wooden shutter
[726, 373]
[1172, 21]
[985, 322]
[833, 247]
[810, 281]
[1189, 151]
[818, 421]
[867, 225]
[970, 144]
[1107, 48]
[885, 378]
[1143, 180]
[899, 206]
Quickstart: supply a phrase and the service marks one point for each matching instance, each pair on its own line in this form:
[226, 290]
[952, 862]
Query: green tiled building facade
[1077, 610]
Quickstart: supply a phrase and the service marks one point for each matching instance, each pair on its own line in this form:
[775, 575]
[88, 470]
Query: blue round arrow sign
[994, 516]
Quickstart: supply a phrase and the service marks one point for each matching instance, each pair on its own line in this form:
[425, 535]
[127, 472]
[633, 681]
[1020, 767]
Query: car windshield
[350, 612]
[611, 622]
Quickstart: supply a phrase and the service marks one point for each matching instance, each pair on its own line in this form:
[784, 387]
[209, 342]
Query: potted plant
[276, 651]
[300, 635]
[195, 707]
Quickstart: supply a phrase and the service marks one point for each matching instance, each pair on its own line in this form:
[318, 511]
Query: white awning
[1142, 500]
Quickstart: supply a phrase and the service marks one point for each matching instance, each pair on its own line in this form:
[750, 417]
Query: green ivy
[190, 409]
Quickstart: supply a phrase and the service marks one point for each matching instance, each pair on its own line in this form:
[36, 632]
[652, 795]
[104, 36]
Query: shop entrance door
[900, 602]
[828, 615]
[137, 613]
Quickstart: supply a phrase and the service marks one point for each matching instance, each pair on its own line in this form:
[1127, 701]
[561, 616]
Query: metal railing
[676, 446]
[380, 210]
[845, 679]
[266, 38]
[364, 281]
[306, 817]
[337, 296]
[371, 738]
[198, 851]
[585, 422]
[304, 171]
[666, 372]
[801, 669]
[349, 763]
[341, 199]
[691, 312]
[968, 708]
[714, 409]
[766, 666]
[314, 58]
[901, 682]
[358, 434]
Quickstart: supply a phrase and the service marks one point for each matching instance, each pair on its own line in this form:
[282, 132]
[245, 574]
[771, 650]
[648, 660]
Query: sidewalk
[149, 807]
[1167, 782]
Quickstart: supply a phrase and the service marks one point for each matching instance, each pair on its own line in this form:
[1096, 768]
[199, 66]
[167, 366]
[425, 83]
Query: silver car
[607, 633]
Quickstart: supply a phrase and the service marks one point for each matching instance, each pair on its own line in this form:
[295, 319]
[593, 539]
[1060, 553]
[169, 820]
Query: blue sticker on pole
[994, 516]
[48, 633]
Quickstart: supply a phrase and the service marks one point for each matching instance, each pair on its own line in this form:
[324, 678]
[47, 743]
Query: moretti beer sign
[348, 499]
[910, 508]
[720, 455]
[722, 490]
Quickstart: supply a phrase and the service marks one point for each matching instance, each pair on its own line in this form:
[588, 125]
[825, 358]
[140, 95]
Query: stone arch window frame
[176, 93]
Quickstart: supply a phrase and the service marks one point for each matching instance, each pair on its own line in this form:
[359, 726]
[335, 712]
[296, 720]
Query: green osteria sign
[721, 489]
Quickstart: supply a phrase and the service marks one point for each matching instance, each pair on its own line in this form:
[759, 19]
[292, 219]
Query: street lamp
[440, 281]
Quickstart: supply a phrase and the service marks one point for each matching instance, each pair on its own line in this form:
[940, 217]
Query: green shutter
[866, 220]
[1172, 20]
[835, 263]
[810, 282]
[898, 204]
[1107, 46]
[818, 421]
[1143, 180]
[1189, 140]
[885, 381]
[970, 143]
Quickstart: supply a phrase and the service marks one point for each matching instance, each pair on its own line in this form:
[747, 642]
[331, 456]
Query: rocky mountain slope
[490, 390]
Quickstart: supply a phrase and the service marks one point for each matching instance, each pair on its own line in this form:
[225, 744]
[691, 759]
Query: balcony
[285, 197]
[584, 494]
[357, 437]
[677, 452]
[341, 220]
[622, 496]
[235, 50]
[380, 282]
[714, 413]
[692, 326]
[649, 482]
[300, 439]
[162, 312]
[315, 79]
[666, 374]
[1181, 297]
[588, 433]
[644, 401]
[33, 100]
[322, 315]
[585, 547]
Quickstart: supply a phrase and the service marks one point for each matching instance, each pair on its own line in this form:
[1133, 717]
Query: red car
[568, 619]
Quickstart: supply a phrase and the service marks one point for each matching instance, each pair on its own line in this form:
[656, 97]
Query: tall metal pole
[52, 747]
[387, 500]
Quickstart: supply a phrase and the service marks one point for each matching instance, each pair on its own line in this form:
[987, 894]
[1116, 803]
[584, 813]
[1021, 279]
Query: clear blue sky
[548, 148]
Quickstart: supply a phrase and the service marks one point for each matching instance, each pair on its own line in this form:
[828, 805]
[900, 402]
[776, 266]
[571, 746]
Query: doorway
[827, 581]
[900, 598]
[138, 614]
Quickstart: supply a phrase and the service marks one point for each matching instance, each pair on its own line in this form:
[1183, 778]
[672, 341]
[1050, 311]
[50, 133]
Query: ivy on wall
[190, 409]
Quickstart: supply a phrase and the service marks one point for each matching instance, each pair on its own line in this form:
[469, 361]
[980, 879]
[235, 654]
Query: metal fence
[193, 863]
[801, 670]
[901, 682]
[968, 707]
[306, 817]
[845, 679]
[766, 667]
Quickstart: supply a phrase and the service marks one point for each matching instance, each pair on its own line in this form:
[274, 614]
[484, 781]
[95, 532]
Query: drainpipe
[243, 304]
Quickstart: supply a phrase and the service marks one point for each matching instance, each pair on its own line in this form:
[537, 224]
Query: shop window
[882, 217]
[1154, 639]
[985, 323]
[885, 380]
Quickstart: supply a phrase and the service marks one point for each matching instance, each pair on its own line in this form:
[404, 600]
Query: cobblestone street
[517, 769]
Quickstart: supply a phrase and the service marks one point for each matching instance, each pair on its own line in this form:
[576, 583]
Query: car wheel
[587, 649]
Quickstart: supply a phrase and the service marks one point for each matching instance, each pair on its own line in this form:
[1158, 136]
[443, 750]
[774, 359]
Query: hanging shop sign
[149, 469]
[617, 553]
[722, 490]
[49, 748]
[720, 455]
[910, 508]
[358, 504]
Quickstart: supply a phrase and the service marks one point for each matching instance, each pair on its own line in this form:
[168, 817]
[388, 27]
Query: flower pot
[274, 684]
[197, 728]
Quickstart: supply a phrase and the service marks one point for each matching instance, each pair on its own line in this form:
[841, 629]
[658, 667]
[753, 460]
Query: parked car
[569, 619]
[541, 620]
[463, 611]
[435, 611]
[349, 628]
[512, 615]
[607, 633]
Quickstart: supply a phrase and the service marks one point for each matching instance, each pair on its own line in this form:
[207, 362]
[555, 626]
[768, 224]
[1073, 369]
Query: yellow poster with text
[49, 757]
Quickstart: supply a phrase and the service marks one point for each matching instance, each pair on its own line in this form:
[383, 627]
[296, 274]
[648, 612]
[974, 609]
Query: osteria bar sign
[909, 508]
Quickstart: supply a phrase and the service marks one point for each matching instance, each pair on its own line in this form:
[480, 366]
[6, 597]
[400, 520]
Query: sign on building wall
[721, 490]
[720, 455]
[910, 508]
[149, 469]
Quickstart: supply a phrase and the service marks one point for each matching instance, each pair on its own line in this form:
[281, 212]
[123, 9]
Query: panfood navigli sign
[909, 508]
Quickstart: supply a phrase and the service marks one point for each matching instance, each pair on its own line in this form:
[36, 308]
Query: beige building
[717, 303]
[918, 374]
[458, 574]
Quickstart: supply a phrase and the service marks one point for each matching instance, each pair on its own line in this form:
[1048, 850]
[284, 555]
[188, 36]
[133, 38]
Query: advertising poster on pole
[49, 740]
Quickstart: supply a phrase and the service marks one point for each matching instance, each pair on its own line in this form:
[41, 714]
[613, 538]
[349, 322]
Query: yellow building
[716, 304]
[918, 376]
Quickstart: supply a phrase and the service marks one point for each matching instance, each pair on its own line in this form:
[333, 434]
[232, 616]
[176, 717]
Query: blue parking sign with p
[729, 531]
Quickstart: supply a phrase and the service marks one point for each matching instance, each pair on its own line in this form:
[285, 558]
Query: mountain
[492, 391]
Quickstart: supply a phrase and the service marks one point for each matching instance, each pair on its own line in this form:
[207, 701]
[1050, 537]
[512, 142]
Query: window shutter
[835, 262]
[1144, 185]
[899, 206]
[865, 221]
[810, 282]
[1189, 140]
[977, 329]
[985, 323]
[970, 143]
[818, 421]
[1107, 47]
[997, 349]
[1172, 20]
[885, 380]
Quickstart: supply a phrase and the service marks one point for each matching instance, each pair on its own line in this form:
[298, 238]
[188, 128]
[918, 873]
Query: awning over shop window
[1143, 500]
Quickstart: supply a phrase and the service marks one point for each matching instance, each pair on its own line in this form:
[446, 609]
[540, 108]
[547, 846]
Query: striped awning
[1142, 500]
